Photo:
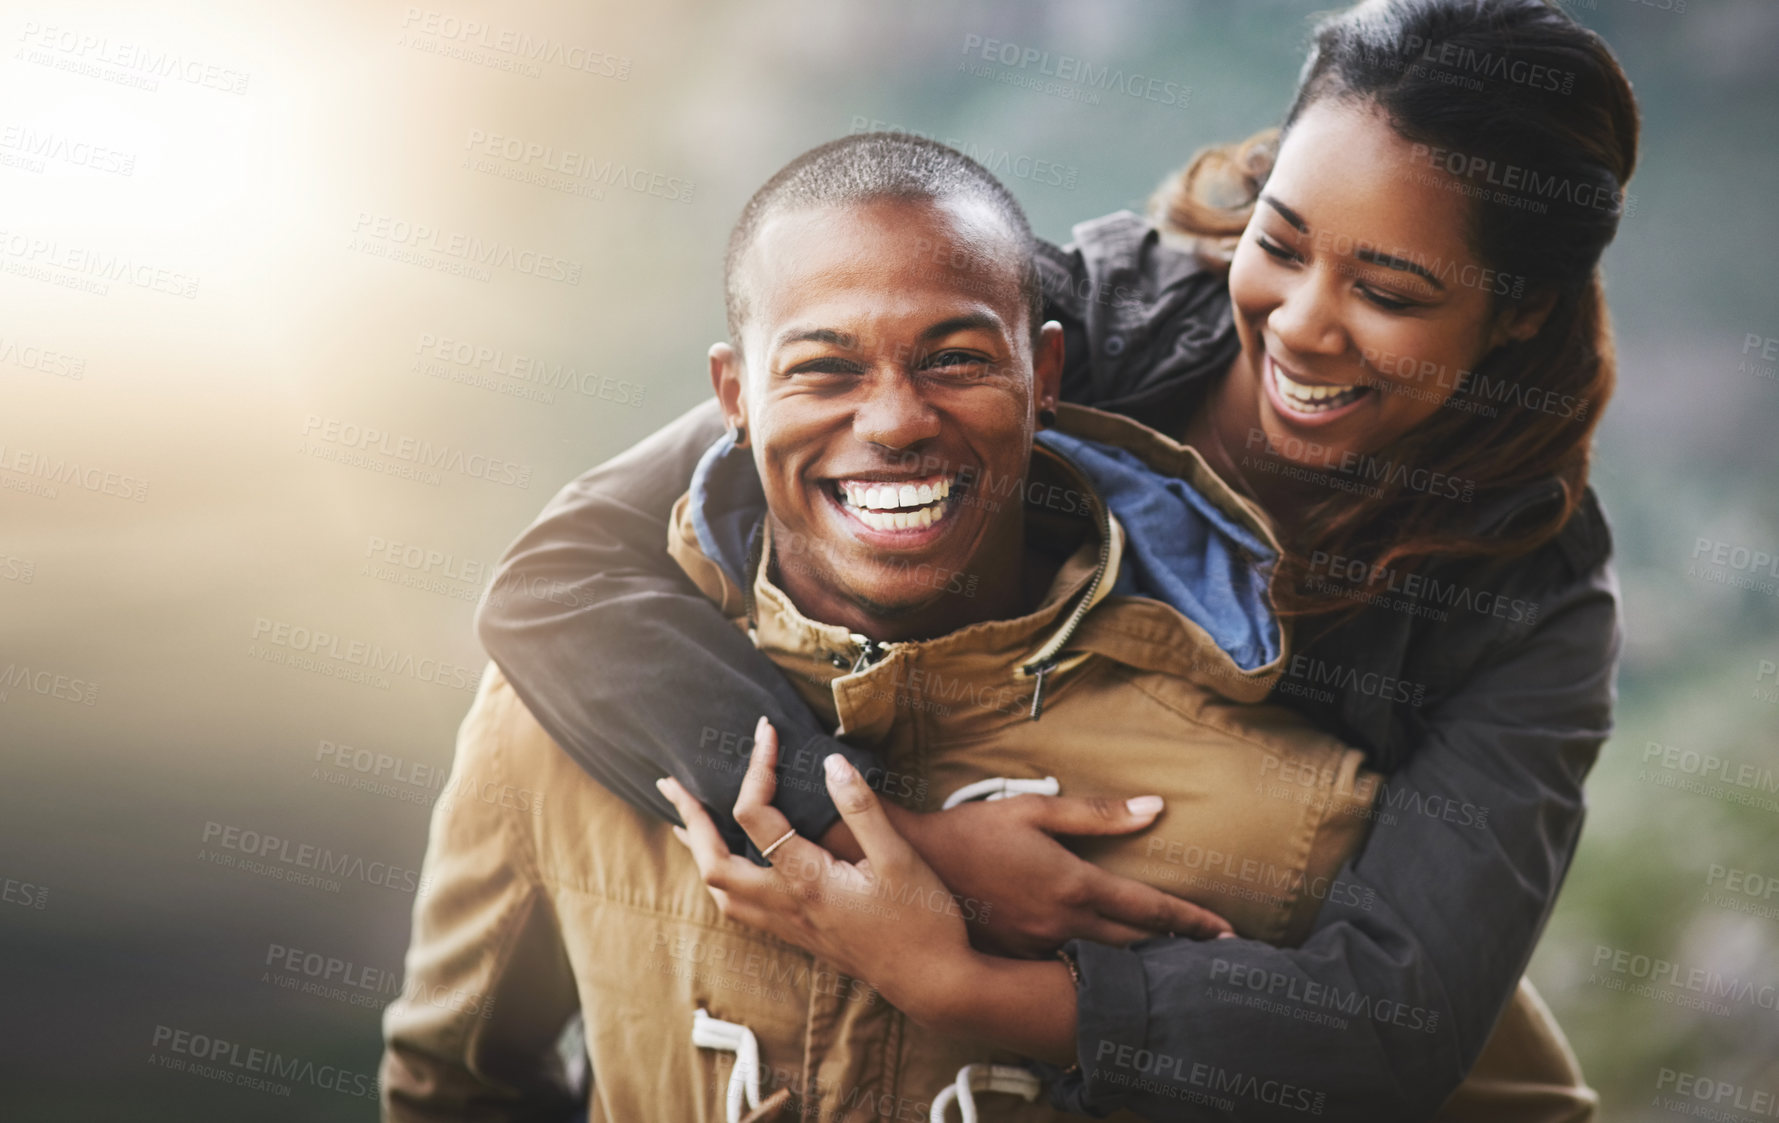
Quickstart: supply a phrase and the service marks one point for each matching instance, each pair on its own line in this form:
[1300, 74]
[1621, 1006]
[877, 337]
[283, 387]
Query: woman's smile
[1304, 402]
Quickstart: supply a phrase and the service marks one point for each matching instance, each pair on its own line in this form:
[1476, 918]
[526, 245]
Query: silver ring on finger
[784, 838]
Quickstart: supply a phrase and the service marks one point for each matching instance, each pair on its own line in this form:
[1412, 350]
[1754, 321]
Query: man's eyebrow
[1289, 215]
[832, 336]
[969, 321]
[1388, 262]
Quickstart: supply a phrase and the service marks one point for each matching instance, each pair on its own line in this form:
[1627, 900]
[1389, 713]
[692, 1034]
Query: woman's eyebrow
[1388, 262]
[1289, 215]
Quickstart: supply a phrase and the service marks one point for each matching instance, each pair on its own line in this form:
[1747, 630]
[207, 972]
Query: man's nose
[1307, 321]
[894, 414]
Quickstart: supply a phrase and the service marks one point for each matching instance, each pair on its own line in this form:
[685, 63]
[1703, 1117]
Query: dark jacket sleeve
[627, 665]
[1383, 1009]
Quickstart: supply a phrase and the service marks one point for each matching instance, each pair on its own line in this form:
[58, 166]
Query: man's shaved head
[874, 167]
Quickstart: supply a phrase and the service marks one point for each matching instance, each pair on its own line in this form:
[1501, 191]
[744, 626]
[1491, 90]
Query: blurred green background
[289, 202]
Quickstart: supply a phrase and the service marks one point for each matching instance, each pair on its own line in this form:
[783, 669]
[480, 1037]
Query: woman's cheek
[1248, 290]
[1420, 374]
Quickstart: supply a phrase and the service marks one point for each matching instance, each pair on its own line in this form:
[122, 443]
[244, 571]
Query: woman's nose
[1307, 321]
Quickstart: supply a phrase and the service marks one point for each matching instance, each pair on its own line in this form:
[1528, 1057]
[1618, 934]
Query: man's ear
[1522, 320]
[1047, 359]
[727, 378]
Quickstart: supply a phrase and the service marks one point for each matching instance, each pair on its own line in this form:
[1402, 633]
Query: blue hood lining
[1180, 549]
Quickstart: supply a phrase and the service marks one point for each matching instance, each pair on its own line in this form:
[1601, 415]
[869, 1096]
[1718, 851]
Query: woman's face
[1358, 301]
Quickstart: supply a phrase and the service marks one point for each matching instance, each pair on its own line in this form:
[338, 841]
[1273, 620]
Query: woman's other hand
[1023, 893]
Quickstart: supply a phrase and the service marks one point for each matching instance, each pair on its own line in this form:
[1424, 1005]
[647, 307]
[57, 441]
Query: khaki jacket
[594, 906]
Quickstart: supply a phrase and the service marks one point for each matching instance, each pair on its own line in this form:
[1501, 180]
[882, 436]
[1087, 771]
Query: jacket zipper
[870, 651]
[1046, 659]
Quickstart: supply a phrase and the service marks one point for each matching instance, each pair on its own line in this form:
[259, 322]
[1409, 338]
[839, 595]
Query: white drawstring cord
[744, 1078]
[983, 1078]
[1000, 787]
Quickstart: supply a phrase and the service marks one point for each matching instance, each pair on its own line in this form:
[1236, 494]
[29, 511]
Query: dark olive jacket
[1485, 693]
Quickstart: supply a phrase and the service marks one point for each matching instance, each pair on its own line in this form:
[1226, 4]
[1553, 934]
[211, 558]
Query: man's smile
[901, 506]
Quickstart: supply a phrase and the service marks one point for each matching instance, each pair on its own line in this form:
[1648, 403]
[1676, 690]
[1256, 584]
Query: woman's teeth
[1309, 398]
[892, 506]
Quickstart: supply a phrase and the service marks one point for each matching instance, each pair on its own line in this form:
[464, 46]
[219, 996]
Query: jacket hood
[1188, 541]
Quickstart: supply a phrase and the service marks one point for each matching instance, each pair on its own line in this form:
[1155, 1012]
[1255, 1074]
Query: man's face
[888, 396]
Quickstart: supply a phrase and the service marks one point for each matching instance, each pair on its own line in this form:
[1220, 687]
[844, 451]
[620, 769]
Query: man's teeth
[889, 506]
[1312, 399]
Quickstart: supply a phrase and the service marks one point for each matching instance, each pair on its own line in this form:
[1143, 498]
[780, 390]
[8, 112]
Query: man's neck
[1001, 582]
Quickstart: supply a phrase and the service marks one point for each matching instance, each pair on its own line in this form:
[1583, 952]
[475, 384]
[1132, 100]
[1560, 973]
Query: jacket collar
[1139, 516]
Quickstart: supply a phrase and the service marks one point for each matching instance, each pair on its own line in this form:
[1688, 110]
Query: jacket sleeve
[488, 988]
[625, 663]
[1383, 1009]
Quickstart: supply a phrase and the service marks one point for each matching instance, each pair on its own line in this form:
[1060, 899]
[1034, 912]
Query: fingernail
[1226, 935]
[1144, 805]
[839, 772]
[661, 786]
[760, 727]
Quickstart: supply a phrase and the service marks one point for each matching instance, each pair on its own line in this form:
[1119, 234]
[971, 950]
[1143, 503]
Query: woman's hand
[887, 919]
[1025, 894]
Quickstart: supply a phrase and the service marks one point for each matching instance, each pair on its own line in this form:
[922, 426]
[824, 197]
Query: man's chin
[892, 603]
